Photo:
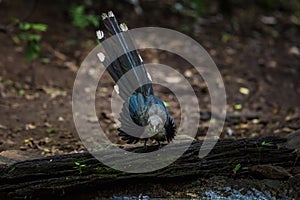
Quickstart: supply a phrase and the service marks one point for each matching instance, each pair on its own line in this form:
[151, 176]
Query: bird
[143, 116]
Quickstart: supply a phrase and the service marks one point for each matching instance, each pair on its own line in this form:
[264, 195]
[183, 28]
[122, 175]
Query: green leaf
[23, 36]
[45, 60]
[32, 39]
[32, 51]
[29, 37]
[79, 165]
[238, 106]
[22, 91]
[78, 10]
[39, 27]
[50, 131]
[27, 26]
[267, 144]
[237, 168]
[199, 6]
[24, 26]
[94, 20]
[82, 20]
[36, 47]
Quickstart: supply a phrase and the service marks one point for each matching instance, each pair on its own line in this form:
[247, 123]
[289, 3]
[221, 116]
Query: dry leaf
[54, 92]
[173, 79]
[188, 73]
[30, 126]
[294, 51]
[2, 126]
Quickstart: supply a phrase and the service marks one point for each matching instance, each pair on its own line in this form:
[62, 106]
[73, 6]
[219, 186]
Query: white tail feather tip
[141, 59]
[101, 56]
[116, 88]
[149, 76]
[99, 34]
[123, 27]
[104, 16]
[111, 14]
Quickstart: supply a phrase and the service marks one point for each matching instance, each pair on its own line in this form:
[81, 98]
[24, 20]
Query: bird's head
[156, 124]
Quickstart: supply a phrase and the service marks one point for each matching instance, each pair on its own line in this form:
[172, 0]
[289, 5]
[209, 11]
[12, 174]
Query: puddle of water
[127, 197]
[227, 194]
[233, 194]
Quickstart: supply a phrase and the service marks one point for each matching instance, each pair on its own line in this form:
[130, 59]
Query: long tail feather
[129, 61]
[113, 67]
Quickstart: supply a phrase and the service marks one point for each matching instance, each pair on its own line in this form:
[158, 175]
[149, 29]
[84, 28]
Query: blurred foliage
[268, 5]
[191, 7]
[204, 7]
[31, 34]
[199, 6]
[286, 5]
[82, 20]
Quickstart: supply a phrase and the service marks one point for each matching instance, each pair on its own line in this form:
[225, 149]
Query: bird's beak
[154, 129]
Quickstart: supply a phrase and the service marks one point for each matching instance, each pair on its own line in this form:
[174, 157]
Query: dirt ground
[259, 63]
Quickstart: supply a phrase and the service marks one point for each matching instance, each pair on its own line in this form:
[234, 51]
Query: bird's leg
[158, 142]
[145, 144]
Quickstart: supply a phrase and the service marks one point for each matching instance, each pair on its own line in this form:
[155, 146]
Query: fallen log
[69, 175]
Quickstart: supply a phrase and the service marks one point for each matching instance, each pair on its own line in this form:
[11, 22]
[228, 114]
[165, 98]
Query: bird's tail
[122, 59]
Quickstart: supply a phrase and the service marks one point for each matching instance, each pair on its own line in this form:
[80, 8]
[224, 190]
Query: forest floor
[258, 60]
